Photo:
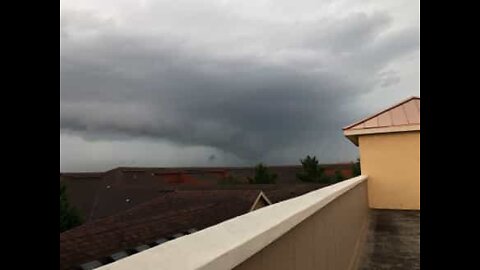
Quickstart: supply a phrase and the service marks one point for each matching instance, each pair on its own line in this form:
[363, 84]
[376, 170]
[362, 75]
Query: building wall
[330, 239]
[392, 163]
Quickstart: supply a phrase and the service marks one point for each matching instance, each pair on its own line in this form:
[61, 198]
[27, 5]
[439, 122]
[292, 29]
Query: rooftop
[274, 237]
[393, 241]
[98, 195]
[168, 216]
[404, 116]
[329, 228]
[225, 233]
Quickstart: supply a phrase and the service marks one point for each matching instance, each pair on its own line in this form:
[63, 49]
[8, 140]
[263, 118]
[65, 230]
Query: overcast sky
[218, 82]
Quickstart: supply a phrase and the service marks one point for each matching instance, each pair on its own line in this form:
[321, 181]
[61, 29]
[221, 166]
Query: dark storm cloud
[244, 109]
[120, 85]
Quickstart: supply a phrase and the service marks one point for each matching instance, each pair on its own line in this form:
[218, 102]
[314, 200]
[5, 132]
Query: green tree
[262, 175]
[312, 172]
[356, 168]
[69, 216]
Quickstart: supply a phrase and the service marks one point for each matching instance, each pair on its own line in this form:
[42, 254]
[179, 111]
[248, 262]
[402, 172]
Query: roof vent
[119, 255]
[178, 235]
[90, 265]
[192, 230]
[161, 241]
[141, 248]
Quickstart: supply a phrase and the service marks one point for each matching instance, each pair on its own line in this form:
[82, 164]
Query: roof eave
[352, 135]
[353, 139]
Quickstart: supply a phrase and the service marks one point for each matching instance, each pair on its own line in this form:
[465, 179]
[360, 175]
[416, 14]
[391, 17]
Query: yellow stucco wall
[392, 163]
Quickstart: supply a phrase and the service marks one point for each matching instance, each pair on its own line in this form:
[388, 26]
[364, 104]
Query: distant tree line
[312, 173]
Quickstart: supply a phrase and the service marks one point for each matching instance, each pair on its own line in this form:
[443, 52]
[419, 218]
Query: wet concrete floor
[393, 241]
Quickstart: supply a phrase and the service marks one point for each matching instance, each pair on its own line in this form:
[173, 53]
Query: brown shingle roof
[274, 192]
[162, 217]
[108, 192]
[107, 195]
[291, 191]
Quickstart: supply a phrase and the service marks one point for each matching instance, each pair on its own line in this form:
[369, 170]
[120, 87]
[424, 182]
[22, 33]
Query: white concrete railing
[231, 242]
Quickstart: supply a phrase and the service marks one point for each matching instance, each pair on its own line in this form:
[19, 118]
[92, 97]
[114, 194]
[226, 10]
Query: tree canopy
[262, 176]
[312, 171]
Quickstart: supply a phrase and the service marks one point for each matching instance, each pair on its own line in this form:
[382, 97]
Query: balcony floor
[393, 241]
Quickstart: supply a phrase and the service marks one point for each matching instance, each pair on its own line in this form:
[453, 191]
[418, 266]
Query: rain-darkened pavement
[393, 241]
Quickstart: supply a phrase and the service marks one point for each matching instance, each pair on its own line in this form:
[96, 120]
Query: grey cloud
[123, 85]
[349, 34]
[244, 109]
[388, 78]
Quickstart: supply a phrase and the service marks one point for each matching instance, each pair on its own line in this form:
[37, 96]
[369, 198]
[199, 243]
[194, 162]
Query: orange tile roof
[404, 116]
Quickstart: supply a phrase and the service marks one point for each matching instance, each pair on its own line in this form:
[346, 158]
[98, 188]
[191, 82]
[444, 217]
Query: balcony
[329, 228]
[393, 240]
